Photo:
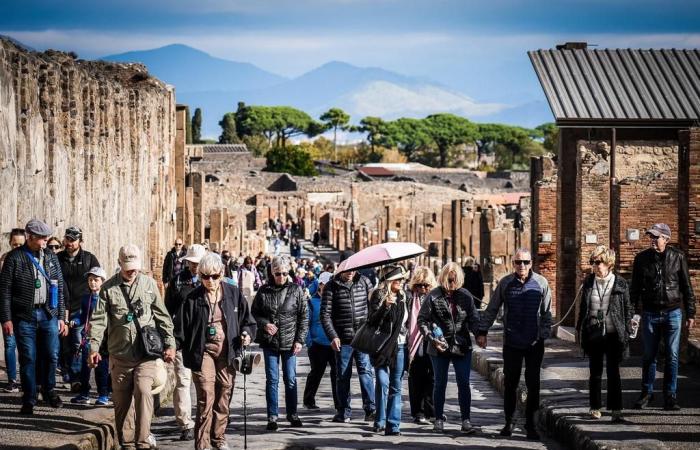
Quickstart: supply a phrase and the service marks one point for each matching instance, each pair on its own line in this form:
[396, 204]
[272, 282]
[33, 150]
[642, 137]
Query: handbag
[370, 339]
[149, 337]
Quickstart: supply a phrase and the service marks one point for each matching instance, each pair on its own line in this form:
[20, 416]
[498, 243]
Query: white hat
[130, 257]
[160, 378]
[195, 253]
[98, 272]
[325, 277]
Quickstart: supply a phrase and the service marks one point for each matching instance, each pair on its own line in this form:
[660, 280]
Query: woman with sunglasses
[53, 244]
[445, 319]
[420, 368]
[212, 327]
[279, 309]
[604, 326]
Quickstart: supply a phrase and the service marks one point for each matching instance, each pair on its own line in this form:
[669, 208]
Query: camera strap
[127, 296]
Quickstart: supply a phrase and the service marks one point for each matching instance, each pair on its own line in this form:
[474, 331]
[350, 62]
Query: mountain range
[216, 86]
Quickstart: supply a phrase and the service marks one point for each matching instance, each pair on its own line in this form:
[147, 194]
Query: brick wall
[544, 221]
[693, 215]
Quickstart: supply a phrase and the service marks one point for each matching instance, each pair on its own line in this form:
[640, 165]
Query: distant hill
[217, 85]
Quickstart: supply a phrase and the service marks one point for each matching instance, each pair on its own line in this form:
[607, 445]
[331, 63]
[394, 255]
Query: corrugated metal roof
[620, 85]
[224, 148]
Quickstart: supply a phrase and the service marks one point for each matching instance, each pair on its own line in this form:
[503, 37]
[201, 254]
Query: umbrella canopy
[379, 255]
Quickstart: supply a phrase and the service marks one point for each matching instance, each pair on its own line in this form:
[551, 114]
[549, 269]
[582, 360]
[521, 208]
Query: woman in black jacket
[279, 309]
[445, 319]
[212, 326]
[604, 323]
[388, 311]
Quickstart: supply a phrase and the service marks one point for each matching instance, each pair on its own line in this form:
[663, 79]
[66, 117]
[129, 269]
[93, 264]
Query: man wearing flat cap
[75, 262]
[661, 291]
[32, 308]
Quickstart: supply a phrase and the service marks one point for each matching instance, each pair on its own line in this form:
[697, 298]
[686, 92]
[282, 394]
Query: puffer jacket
[676, 282]
[288, 314]
[344, 307]
[437, 309]
[620, 308]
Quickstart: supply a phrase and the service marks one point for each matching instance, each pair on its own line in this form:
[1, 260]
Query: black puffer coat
[344, 307]
[438, 310]
[288, 314]
[619, 308]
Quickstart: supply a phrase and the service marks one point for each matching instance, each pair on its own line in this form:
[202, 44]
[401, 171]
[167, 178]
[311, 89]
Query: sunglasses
[422, 285]
[521, 262]
[655, 238]
[279, 274]
[214, 276]
[54, 247]
[596, 262]
[178, 244]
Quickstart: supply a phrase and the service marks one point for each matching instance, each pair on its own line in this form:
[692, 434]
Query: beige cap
[130, 257]
[160, 378]
[195, 253]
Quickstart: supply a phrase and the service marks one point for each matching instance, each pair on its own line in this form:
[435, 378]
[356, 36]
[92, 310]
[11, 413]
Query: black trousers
[420, 386]
[612, 351]
[512, 366]
[319, 357]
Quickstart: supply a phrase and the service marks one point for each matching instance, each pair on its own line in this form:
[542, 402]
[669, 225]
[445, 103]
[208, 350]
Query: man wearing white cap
[660, 287]
[178, 290]
[129, 302]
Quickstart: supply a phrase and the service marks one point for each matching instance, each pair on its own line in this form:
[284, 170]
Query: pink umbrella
[379, 255]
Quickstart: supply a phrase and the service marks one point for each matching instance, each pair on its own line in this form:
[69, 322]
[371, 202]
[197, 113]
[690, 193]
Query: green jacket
[111, 314]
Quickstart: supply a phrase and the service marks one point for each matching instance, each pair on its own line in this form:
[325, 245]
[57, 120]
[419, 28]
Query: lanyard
[213, 305]
[37, 265]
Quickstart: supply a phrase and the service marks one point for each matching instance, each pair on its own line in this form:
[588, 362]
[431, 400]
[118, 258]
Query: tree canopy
[335, 119]
[292, 160]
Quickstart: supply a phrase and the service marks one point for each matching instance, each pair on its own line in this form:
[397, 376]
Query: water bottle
[635, 325]
[53, 294]
[437, 332]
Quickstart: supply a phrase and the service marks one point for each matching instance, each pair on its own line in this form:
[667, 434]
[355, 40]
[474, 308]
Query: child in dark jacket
[96, 276]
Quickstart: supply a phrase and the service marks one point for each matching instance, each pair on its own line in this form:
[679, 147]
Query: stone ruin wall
[89, 144]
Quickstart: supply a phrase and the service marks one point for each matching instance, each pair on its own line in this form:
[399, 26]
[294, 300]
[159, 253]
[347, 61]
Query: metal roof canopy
[620, 87]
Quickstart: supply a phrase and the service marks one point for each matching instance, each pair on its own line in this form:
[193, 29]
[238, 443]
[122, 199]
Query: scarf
[415, 338]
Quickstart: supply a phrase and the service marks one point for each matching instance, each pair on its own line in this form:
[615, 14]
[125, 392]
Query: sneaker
[420, 420]
[272, 425]
[670, 403]
[103, 400]
[370, 416]
[152, 441]
[187, 435]
[507, 429]
[341, 419]
[532, 433]
[27, 410]
[644, 400]
[392, 433]
[595, 413]
[377, 429]
[222, 446]
[314, 406]
[12, 387]
[76, 386]
[294, 421]
[439, 426]
[54, 400]
[617, 416]
[81, 399]
[467, 427]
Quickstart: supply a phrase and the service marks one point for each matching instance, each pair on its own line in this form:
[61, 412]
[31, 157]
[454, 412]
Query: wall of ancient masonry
[89, 144]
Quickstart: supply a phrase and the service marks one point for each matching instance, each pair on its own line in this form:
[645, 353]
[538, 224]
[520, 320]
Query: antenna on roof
[573, 46]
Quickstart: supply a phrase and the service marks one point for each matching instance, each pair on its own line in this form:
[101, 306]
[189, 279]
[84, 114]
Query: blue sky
[477, 47]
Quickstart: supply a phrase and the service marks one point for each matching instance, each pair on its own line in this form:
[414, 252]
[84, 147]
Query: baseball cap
[130, 257]
[195, 253]
[38, 228]
[98, 272]
[74, 233]
[660, 229]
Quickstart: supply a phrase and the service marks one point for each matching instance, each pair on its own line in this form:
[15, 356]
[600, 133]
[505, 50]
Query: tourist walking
[249, 278]
[178, 289]
[130, 305]
[32, 309]
[604, 322]
[445, 319]
[474, 281]
[388, 313]
[213, 325]
[344, 307]
[527, 319]
[420, 368]
[320, 352]
[16, 240]
[173, 261]
[661, 291]
[279, 308]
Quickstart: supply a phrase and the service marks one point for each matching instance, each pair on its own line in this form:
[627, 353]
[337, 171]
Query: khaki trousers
[133, 403]
[182, 400]
[214, 385]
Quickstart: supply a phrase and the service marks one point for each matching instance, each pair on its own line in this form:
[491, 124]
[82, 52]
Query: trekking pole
[245, 416]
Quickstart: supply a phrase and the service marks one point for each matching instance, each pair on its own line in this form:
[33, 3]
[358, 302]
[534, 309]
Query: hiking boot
[467, 427]
[272, 425]
[314, 406]
[294, 421]
[439, 426]
[54, 400]
[595, 413]
[644, 400]
[507, 429]
[670, 403]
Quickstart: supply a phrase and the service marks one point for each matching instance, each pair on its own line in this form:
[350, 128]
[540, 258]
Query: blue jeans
[37, 339]
[101, 375]
[272, 378]
[462, 365]
[388, 393]
[10, 357]
[71, 355]
[656, 325]
[343, 360]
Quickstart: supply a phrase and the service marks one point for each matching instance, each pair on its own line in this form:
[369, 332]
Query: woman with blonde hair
[420, 368]
[445, 319]
[604, 326]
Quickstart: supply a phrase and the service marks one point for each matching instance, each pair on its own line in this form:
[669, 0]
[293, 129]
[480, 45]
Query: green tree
[197, 126]
[410, 136]
[377, 134]
[188, 126]
[228, 129]
[292, 160]
[335, 119]
[278, 122]
[447, 131]
[550, 133]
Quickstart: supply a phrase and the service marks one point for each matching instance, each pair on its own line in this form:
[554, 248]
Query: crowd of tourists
[63, 313]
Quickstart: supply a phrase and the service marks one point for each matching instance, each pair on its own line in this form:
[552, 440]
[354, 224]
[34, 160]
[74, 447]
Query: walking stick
[245, 415]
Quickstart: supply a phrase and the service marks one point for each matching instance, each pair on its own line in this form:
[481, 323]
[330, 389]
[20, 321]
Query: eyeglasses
[54, 247]
[178, 244]
[214, 276]
[522, 262]
[279, 274]
[596, 262]
[422, 285]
